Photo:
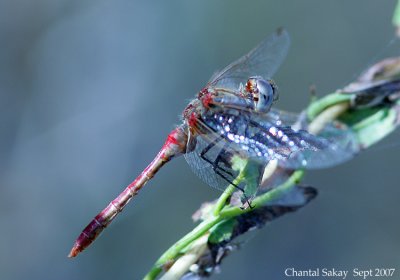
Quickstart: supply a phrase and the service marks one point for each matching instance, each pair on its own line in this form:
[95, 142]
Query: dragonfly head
[262, 92]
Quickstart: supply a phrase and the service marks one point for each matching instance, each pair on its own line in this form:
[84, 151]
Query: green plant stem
[320, 105]
[263, 199]
[176, 249]
[222, 200]
[230, 212]
[376, 127]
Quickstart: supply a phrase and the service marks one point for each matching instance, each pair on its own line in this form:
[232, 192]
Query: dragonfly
[230, 127]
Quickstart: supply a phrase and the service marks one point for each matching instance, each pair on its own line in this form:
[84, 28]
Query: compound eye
[264, 93]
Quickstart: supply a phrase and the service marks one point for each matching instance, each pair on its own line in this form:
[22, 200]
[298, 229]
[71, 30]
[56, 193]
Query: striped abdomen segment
[175, 145]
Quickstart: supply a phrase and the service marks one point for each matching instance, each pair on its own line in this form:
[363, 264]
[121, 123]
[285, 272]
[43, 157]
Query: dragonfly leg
[218, 169]
[218, 159]
[248, 202]
[215, 164]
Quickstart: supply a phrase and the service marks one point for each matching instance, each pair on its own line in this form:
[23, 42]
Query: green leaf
[222, 232]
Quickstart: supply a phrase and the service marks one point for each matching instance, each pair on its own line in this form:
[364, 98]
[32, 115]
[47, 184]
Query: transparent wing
[210, 161]
[224, 137]
[337, 146]
[218, 163]
[337, 143]
[264, 60]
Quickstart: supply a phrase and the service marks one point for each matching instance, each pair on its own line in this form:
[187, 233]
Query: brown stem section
[175, 145]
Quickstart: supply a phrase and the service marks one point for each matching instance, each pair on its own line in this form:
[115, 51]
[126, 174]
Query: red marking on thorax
[206, 100]
[171, 139]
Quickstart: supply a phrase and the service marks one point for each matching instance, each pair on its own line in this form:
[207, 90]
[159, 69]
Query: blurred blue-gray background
[90, 89]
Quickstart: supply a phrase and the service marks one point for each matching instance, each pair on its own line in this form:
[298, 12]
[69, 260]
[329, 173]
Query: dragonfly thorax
[262, 92]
